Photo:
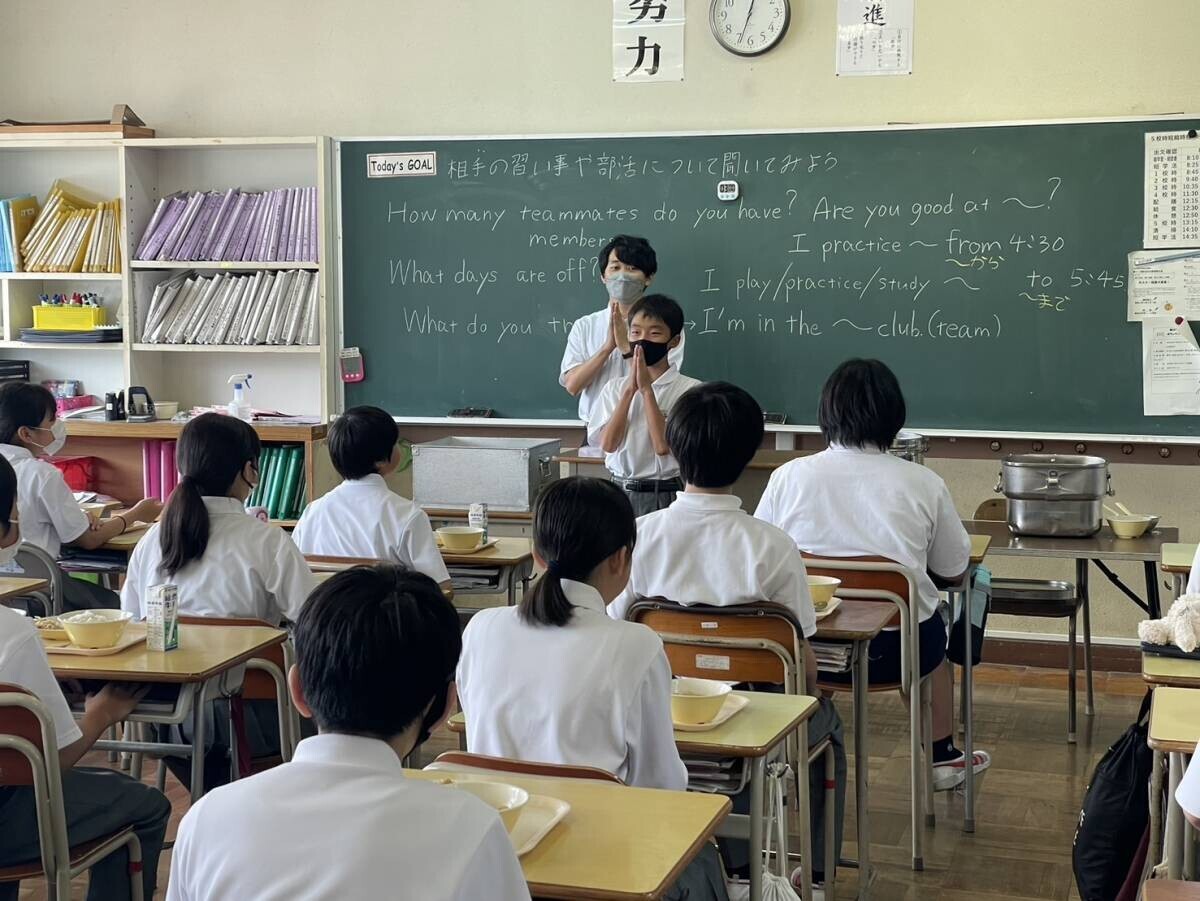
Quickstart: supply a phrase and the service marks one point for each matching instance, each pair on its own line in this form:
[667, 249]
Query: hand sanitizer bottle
[238, 406]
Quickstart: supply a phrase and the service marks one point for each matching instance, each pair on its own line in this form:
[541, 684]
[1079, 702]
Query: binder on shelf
[291, 481]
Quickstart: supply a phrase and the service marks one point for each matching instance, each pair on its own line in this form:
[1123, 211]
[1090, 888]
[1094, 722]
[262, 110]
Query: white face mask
[58, 431]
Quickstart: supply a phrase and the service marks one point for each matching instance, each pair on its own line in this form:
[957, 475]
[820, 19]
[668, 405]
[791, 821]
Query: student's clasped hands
[618, 329]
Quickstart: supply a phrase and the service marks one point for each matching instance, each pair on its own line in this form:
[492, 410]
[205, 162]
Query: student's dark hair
[359, 439]
[8, 494]
[23, 404]
[660, 307]
[632, 251]
[713, 431]
[861, 405]
[578, 523]
[374, 646]
[211, 452]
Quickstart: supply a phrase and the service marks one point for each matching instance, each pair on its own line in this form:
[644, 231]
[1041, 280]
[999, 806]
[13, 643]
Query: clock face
[749, 27]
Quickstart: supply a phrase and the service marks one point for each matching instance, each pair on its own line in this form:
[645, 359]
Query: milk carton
[162, 617]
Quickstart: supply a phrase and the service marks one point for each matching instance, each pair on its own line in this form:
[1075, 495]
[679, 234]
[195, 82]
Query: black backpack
[1115, 814]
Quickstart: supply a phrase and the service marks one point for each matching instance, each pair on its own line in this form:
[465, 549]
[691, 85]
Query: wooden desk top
[1159, 670]
[766, 721]
[765, 460]
[1170, 890]
[267, 431]
[17, 586]
[979, 548]
[617, 842]
[1174, 719]
[1104, 545]
[505, 552]
[203, 652]
[1177, 558]
[127, 541]
[855, 621]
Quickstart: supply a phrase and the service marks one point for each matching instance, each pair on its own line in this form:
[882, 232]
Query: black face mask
[652, 351]
[436, 709]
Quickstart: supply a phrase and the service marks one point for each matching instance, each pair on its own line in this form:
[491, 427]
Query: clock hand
[746, 24]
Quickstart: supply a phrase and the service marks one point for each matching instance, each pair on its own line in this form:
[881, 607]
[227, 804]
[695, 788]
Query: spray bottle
[238, 406]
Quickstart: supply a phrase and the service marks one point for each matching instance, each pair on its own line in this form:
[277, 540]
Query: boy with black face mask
[376, 651]
[629, 421]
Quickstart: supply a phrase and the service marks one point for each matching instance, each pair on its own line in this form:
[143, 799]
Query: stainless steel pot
[1054, 494]
[910, 446]
[1060, 519]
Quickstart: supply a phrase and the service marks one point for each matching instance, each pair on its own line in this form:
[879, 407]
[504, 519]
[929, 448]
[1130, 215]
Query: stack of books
[261, 308]
[70, 234]
[832, 657]
[17, 215]
[281, 487]
[270, 226]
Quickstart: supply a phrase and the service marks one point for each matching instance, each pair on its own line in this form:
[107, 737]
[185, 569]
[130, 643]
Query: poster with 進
[874, 38]
[647, 41]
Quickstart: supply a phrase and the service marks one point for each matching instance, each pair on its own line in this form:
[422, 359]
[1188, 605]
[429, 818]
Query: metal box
[504, 473]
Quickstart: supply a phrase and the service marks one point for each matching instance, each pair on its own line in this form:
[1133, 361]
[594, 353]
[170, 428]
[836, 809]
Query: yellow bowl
[697, 701]
[1133, 526]
[821, 589]
[460, 538]
[507, 800]
[165, 409]
[95, 628]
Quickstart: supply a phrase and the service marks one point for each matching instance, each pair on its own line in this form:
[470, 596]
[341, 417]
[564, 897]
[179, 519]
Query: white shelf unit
[31, 167]
[285, 378]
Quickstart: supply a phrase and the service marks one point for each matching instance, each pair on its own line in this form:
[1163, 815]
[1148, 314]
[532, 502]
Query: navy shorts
[884, 654]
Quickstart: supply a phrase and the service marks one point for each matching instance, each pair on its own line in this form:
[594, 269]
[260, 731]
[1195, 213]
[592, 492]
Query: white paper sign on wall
[647, 41]
[401, 165]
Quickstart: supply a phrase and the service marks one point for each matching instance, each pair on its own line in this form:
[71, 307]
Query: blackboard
[985, 264]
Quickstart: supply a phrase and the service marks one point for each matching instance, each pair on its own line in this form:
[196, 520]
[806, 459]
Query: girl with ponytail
[556, 679]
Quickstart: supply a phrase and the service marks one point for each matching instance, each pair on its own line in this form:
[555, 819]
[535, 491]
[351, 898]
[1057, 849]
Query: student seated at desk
[363, 517]
[629, 419]
[50, 515]
[598, 349]
[1187, 796]
[96, 802]
[376, 649]
[704, 549]
[225, 562]
[856, 499]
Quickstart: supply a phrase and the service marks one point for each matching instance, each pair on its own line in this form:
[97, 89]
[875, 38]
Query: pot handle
[1109, 490]
[1052, 480]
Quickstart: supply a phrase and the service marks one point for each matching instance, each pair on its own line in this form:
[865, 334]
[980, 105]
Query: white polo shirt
[341, 822]
[23, 662]
[250, 570]
[587, 336]
[846, 502]
[595, 692]
[50, 515]
[1188, 793]
[635, 458]
[1193, 585]
[365, 518]
[705, 549]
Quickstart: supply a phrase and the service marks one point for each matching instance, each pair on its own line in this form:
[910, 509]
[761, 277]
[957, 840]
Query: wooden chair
[461, 761]
[29, 758]
[762, 643]
[870, 578]
[1048, 599]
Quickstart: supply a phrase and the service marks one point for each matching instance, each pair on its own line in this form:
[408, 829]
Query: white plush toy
[1180, 627]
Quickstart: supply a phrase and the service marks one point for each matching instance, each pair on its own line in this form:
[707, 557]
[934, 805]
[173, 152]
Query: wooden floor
[1026, 810]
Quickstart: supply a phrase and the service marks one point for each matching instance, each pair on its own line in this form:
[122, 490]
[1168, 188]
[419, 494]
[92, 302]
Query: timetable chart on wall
[1172, 195]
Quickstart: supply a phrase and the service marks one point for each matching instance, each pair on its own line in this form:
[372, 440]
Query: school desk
[961, 593]
[20, 586]
[1176, 559]
[513, 557]
[617, 842]
[208, 664]
[1160, 670]
[126, 541]
[1174, 732]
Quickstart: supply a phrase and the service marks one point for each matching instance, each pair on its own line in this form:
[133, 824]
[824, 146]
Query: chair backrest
[37, 564]
[745, 643]
[994, 509]
[260, 683]
[462, 760]
[23, 721]
[867, 578]
[326, 563]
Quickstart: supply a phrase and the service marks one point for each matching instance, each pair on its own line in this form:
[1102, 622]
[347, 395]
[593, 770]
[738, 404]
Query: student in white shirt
[224, 562]
[705, 549]
[1193, 585]
[96, 802]
[857, 499]
[362, 517]
[1188, 793]
[629, 421]
[376, 649]
[598, 344]
[50, 515]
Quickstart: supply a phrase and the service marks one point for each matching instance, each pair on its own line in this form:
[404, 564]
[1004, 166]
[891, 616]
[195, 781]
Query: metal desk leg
[1175, 822]
[861, 766]
[968, 713]
[758, 779]
[198, 743]
[1154, 851]
[1081, 585]
[1152, 599]
[806, 859]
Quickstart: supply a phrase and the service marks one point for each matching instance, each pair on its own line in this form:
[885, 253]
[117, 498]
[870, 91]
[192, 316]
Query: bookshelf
[296, 379]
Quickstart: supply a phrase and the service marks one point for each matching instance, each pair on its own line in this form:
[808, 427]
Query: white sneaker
[953, 773]
[818, 888]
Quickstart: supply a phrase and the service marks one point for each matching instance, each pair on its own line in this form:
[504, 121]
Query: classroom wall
[378, 67]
